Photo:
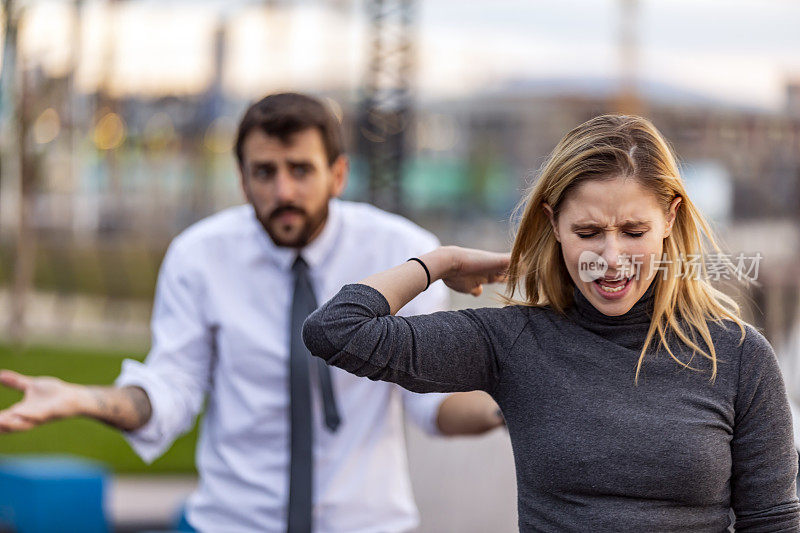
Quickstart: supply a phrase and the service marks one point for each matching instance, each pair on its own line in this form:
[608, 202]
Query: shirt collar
[315, 252]
[318, 250]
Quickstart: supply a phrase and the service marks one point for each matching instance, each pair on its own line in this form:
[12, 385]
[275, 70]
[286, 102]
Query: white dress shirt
[221, 329]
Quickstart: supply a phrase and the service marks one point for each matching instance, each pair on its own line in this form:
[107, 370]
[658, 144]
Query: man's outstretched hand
[47, 398]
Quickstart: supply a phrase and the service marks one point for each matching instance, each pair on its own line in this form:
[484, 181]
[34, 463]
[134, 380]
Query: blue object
[181, 523]
[52, 493]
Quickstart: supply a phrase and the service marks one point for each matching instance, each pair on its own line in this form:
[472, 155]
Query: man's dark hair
[284, 114]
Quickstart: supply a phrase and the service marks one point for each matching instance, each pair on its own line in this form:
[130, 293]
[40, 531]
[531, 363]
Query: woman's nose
[614, 255]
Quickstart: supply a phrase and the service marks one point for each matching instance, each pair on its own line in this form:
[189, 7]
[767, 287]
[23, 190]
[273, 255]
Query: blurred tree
[24, 262]
[7, 79]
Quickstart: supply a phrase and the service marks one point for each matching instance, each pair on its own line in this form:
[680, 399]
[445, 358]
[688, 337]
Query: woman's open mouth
[612, 289]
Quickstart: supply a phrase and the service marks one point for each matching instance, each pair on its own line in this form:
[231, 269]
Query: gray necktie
[301, 433]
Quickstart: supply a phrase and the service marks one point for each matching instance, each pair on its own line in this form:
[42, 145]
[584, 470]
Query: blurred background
[116, 126]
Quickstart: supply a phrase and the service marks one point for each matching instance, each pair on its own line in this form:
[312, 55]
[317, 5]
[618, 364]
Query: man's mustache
[278, 211]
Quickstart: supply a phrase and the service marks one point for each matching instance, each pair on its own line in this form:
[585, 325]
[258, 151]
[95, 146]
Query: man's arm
[46, 399]
[468, 413]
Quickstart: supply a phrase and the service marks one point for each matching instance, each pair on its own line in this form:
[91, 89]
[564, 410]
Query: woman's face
[612, 234]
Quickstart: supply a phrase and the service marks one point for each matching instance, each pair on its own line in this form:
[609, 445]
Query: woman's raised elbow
[314, 337]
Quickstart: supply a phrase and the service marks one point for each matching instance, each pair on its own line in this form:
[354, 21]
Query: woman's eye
[634, 234]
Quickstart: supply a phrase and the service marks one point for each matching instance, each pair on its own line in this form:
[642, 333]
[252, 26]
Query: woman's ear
[551, 216]
[672, 215]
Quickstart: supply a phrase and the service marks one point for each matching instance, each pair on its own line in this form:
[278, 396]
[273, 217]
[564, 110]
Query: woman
[635, 396]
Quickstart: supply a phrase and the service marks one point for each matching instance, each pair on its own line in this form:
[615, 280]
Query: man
[286, 443]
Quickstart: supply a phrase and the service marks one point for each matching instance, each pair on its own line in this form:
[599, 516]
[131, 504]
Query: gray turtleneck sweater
[593, 451]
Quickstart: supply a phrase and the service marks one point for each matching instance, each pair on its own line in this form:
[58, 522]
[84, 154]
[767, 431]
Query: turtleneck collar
[639, 314]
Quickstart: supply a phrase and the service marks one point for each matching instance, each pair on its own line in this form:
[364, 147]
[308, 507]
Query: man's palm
[45, 398]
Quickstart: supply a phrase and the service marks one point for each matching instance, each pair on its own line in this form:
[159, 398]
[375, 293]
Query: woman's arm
[445, 351]
[461, 269]
[764, 460]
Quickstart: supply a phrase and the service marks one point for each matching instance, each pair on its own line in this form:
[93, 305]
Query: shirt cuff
[423, 409]
[148, 441]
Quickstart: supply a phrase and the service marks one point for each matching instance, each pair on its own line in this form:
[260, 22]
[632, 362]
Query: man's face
[289, 184]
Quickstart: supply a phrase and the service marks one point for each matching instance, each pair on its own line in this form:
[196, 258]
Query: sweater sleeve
[441, 352]
[763, 491]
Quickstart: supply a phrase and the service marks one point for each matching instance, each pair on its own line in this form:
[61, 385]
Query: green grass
[83, 437]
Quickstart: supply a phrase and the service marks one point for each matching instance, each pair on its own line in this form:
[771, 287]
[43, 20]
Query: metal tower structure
[385, 114]
[628, 100]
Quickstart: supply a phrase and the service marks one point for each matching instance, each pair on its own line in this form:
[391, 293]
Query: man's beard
[310, 225]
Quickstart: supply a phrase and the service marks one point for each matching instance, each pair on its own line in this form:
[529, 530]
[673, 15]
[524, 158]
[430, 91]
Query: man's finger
[10, 422]
[27, 411]
[12, 379]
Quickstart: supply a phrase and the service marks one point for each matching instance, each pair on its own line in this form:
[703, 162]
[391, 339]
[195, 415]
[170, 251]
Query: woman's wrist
[439, 262]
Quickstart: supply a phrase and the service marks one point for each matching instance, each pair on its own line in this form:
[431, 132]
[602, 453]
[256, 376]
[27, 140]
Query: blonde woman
[635, 396]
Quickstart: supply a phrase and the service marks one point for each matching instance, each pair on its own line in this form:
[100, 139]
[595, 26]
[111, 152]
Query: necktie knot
[300, 267]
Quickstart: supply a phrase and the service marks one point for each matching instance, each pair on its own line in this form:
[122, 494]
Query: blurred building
[741, 165]
[116, 169]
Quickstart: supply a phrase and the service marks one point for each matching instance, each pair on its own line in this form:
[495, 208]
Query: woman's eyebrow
[627, 224]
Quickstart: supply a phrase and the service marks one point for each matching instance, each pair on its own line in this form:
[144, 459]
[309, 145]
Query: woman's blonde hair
[608, 147]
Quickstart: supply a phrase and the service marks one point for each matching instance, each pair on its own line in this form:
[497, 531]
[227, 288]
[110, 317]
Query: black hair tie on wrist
[427, 272]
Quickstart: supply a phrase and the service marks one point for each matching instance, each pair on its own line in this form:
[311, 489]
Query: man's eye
[300, 171]
[262, 173]
[586, 235]
[634, 234]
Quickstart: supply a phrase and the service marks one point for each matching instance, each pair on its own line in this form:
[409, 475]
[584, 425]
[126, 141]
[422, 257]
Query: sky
[734, 51]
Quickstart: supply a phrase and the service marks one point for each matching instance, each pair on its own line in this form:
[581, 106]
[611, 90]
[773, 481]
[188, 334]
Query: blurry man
[287, 443]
